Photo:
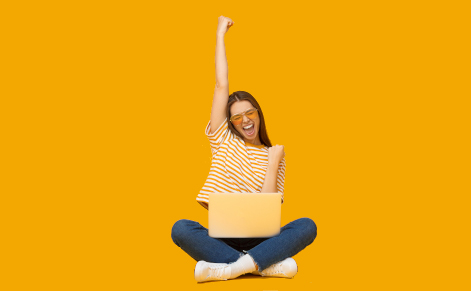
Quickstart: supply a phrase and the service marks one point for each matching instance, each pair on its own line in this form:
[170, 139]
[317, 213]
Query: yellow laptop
[234, 215]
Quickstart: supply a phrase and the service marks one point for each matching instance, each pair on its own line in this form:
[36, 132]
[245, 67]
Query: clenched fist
[224, 23]
[276, 154]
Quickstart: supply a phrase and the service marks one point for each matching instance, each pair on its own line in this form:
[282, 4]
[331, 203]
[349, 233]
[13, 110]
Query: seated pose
[243, 161]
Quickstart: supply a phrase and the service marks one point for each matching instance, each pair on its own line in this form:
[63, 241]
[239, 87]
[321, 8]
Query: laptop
[244, 215]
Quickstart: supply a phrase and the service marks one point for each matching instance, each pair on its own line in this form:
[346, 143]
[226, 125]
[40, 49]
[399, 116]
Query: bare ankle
[256, 266]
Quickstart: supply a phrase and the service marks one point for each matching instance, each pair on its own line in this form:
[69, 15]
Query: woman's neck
[255, 142]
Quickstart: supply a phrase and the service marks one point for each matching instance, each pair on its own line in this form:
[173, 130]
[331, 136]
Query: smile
[249, 130]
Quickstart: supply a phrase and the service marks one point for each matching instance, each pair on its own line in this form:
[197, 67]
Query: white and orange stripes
[236, 166]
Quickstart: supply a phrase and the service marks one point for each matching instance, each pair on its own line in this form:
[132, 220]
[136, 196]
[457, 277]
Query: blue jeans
[193, 238]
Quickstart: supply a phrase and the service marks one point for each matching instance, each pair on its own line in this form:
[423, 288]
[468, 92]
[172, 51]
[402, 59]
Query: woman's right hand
[224, 23]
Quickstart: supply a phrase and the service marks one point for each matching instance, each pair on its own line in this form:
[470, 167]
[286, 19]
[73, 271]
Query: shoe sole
[198, 269]
[291, 261]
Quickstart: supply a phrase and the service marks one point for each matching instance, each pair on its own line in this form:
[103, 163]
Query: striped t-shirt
[237, 166]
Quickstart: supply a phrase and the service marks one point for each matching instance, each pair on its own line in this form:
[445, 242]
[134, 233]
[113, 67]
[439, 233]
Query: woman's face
[251, 134]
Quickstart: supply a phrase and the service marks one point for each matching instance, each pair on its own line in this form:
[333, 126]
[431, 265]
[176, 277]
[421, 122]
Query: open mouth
[249, 130]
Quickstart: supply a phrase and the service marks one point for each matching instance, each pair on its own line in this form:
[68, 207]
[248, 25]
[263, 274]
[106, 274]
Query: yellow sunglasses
[237, 119]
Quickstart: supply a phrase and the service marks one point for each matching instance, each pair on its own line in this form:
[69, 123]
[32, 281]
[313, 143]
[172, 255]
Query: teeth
[247, 127]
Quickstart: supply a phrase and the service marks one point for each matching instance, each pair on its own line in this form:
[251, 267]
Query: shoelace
[216, 272]
[275, 269]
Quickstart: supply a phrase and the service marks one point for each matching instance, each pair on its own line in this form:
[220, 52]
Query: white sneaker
[284, 269]
[205, 271]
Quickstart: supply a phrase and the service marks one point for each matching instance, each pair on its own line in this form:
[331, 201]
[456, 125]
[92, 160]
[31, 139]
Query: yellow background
[103, 110]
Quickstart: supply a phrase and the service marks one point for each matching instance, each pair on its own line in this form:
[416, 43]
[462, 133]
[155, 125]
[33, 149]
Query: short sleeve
[217, 138]
[280, 180]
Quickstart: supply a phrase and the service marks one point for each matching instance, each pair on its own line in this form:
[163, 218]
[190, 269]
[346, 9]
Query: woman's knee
[180, 228]
[310, 227]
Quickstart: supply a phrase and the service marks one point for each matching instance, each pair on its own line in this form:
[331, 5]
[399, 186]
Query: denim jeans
[193, 238]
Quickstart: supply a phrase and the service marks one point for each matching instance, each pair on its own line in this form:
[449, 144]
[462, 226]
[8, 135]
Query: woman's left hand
[276, 154]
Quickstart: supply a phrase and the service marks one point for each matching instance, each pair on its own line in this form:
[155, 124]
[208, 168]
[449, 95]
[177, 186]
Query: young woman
[243, 160]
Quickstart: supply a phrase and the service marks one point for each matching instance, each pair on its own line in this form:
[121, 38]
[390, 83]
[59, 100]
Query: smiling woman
[241, 165]
[243, 161]
[243, 102]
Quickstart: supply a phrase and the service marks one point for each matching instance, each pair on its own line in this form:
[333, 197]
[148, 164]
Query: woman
[243, 160]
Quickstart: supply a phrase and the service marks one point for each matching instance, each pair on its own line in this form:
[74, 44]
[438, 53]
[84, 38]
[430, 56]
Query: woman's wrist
[273, 164]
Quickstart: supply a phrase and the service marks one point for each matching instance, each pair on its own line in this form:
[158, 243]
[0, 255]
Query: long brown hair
[242, 95]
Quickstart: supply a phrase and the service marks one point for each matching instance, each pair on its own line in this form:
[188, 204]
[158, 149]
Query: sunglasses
[237, 119]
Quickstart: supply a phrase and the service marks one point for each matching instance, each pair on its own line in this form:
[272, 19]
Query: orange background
[103, 110]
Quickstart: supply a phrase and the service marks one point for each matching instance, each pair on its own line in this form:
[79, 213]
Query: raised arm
[221, 91]
[276, 154]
